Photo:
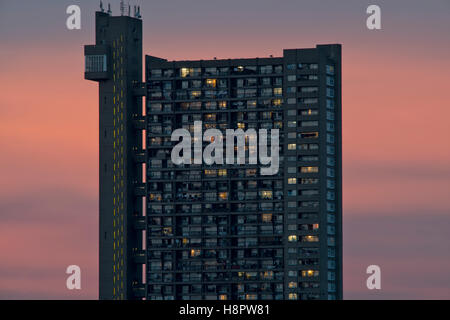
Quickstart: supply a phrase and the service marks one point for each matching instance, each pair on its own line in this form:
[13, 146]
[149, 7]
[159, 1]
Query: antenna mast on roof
[101, 6]
[122, 7]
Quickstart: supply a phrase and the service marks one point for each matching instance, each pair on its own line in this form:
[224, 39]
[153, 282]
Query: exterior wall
[302, 272]
[220, 231]
[120, 40]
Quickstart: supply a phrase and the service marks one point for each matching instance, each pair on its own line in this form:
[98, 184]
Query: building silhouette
[220, 231]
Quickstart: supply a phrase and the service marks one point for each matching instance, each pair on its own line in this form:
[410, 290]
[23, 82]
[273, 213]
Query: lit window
[309, 169]
[211, 83]
[292, 146]
[292, 238]
[292, 180]
[223, 195]
[310, 273]
[266, 217]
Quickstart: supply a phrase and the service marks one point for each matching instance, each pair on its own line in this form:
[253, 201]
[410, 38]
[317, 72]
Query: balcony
[139, 223]
[140, 190]
[139, 156]
[139, 89]
[139, 122]
[138, 290]
[139, 256]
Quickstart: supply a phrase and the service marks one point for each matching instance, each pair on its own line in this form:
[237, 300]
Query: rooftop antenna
[129, 9]
[109, 9]
[139, 12]
[122, 7]
[101, 6]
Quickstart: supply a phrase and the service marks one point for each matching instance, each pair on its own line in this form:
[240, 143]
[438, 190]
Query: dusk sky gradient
[396, 131]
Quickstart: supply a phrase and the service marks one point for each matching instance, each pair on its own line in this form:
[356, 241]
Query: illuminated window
[308, 135]
[310, 238]
[277, 102]
[195, 252]
[222, 172]
[266, 217]
[292, 284]
[195, 94]
[223, 297]
[292, 238]
[292, 146]
[278, 91]
[211, 83]
[310, 273]
[223, 195]
[309, 169]
[292, 296]
[184, 72]
[266, 194]
[292, 180]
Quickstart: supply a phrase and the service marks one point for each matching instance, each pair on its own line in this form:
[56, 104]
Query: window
[292, 146]
[330, 81]
[309, 181]
[95, 63]
[292, 124]
[330, 127]
[278, 91]
[292, 180]
[292, 238]
[291, 77]
[330, 70]
[331, 207]
[309, 112]
[309, 169]
[309, 100]
[291, 66]
[330, 104]
[310, 273]
[266, 69]
[330, 138]
[331, 184]
[309, 123]
[330, 150]
[309, 192]
[331, 195]
[308, 135]
[330, 92]
[310, 238]
[330, 115]
[309, 89]
[189, 72]
[330, 172]
[211, 83]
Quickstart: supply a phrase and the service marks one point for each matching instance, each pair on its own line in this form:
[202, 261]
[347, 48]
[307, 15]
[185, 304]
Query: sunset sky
[396, 131]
